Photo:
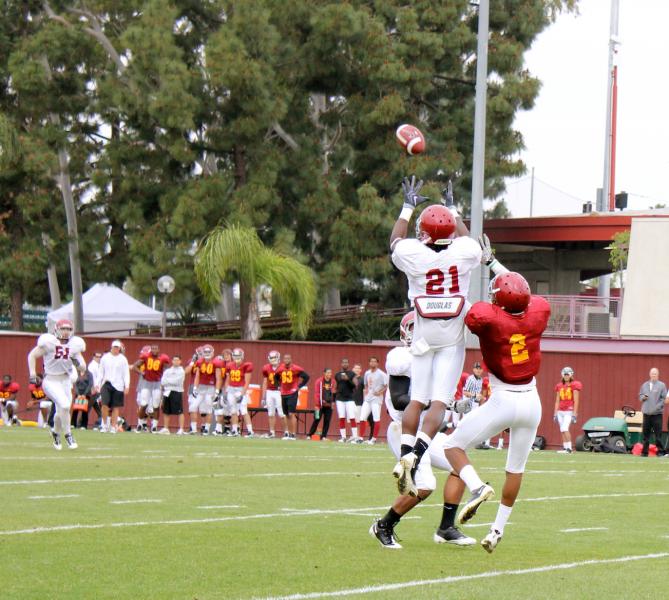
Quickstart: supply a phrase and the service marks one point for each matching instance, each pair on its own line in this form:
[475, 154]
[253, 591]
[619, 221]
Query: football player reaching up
[271, 395]
[207, 390]
[398, 367]
[438, 266]
[150, 366]
[237, 379]
[509, 330]
[59, 352]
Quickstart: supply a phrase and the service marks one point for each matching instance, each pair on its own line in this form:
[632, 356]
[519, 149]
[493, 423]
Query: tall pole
[614, 115]
[532, 192]
[608, 185]
[478, 168]
[163, 323]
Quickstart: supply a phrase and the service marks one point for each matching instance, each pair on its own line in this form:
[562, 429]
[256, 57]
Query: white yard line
[374, 589]
[138, 501]
[579, 529]
[55, 497]
[214, 506]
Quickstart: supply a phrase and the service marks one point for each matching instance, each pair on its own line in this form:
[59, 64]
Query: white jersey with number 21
[58, 355]
[438, 274]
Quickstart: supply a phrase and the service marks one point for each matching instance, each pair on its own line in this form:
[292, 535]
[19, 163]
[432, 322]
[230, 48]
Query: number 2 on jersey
[435, 281]
[519, 353]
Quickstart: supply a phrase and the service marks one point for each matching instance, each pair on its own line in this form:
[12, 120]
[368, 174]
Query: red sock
[342, 423]
[377, 424]
[361, 428]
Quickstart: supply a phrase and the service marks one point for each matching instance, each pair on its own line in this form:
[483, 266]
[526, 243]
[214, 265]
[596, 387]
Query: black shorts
[173, 404]
[289, 403]
[111, 397]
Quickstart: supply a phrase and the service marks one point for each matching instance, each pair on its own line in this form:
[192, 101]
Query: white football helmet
[64, 329]
[274, 358]
[406, 328]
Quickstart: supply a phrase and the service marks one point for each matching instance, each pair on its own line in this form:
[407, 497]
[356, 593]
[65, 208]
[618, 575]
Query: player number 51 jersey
[58, 355]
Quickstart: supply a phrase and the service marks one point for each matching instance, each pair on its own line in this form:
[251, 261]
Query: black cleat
[385, 535]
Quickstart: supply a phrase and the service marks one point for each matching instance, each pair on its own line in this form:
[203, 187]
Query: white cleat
[477, 498]
[71, 444]
[402, 472]
[452, 535]
[56, 441]
[490, 541]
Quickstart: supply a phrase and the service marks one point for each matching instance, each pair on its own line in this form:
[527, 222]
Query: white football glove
[487, 255]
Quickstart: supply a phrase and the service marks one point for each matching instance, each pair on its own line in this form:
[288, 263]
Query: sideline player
[376, 383]
[509, 330]
[398, 367]
[438, 267]
[237, 381]
[59, 351]
[345, 384]
[38, 398]
[222, 412]
[271, 395]
[293, 377]
[151, 366]
[10, 406]
[207, 386]
[567, 398]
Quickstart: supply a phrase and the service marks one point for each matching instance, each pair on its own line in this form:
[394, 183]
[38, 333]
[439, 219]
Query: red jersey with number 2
[510, 344]
[290, 378]
[237, 373]
[154, 366]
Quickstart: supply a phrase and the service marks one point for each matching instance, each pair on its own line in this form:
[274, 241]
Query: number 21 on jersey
[435, 281]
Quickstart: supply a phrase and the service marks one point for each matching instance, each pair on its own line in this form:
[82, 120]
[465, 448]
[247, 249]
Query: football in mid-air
[410, 138]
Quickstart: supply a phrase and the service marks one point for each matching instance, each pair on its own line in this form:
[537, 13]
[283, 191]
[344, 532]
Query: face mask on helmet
[208, 352]
[274, 358]
[406, 328]
[64, 329]
[435, 225]
[238, 355]
[510, 291]
[567, 372]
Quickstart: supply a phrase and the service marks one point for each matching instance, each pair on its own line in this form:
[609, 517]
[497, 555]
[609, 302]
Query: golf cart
[619, 432]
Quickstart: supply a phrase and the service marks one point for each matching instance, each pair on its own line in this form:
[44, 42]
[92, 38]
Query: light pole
[165, 287]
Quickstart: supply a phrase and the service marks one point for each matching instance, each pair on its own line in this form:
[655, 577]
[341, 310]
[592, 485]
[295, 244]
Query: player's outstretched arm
[448, 201]
[412, 198]
[488, 256]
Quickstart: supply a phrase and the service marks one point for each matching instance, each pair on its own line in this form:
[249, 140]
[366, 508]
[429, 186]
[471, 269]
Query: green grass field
[141, 516]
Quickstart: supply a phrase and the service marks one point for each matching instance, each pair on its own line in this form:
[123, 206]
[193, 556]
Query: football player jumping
[60, 352]
[438, 266]
[398, 367]
[509, 330]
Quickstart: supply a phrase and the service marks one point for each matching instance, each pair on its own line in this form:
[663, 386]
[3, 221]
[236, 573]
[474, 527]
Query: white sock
[249, 428]
[141, 422]
[503, 514]
[234, 429]
[108, 422]
[423, 436]
[219, 428]
[406, 439]
[342, 433]
[193, 425]
[470, 477]
[500, 443]
[154, 423]
[354, 432]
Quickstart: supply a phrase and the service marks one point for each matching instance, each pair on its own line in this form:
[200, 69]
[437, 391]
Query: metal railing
[584, 317]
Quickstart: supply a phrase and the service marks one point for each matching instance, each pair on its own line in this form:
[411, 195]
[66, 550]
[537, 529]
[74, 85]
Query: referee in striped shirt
[473, 389]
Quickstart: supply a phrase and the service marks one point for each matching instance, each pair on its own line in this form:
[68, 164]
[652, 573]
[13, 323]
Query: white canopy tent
[108, 309]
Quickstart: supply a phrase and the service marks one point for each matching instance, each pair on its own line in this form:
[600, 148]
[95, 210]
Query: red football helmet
[406, 328]
[510, 291]
[274, 358]
[64, 329]
[435, 225]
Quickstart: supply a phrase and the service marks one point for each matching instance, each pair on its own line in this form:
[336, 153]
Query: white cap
[117, 344]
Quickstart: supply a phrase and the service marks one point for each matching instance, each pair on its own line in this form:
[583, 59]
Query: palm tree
[238, 250]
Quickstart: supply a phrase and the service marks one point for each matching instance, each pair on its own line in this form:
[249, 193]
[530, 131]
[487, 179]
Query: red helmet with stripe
[435, 225]
[510, 291]
[64, 329]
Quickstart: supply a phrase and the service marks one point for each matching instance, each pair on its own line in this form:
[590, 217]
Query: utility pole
[479, 285]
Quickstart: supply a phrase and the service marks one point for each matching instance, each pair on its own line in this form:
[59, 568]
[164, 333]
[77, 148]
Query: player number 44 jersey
[273, 379]
[58, 355]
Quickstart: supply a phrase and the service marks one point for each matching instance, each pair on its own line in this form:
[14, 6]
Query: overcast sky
[564, 132]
